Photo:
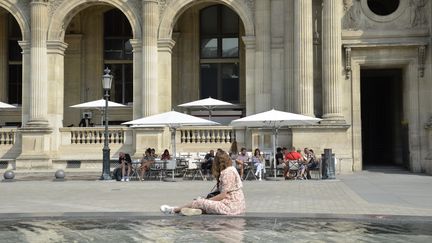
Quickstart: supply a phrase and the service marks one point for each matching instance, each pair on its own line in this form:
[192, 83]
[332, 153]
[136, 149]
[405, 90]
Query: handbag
[212, 194]
[214, 191]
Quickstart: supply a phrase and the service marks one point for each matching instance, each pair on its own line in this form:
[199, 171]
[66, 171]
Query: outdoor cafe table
[162, 166]
[198, 171]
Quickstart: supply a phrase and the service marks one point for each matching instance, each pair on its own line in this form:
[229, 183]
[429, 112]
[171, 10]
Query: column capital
[44, 2]
[166, 45]
[249, 42]
[56, 47]
[136, 45]
[150, 1]
[25, 46]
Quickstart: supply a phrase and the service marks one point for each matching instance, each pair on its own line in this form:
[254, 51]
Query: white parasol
[6, 106]
[99, 105]
[208, 103]
[173, 120]
[274, 119]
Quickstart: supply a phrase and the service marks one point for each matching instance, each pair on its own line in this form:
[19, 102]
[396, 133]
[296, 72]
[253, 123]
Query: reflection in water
[212, 229]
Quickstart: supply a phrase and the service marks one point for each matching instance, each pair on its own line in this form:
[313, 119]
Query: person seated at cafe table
[166, 155]
[125, 162]
[146, 161]
[241, 160]
[291, 157]
[206, 166]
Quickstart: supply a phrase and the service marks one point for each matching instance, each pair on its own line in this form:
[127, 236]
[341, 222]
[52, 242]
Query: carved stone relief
[352, 17]
[25, 7]
[418, 13]
[53, 5]
[410, 14]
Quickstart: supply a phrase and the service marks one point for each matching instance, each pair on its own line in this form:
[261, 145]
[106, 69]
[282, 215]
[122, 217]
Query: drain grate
[4, 164]
[73, 164]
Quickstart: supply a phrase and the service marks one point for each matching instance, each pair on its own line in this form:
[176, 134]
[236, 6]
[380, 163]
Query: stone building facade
[363, 67]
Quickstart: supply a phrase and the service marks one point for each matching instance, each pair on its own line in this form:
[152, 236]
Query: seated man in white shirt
[241, 161]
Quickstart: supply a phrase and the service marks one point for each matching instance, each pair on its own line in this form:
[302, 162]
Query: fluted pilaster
[303, 57]
[25, 102]
[332, 60]
[249, 42]
[137, 81]
[150, 13]
[38, 61]
[165, 47]
[263, 56]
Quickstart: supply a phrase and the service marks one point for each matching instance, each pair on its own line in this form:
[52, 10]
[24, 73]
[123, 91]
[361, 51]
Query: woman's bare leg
[122, 165]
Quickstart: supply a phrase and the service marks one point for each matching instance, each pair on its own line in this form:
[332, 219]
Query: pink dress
[233, 204]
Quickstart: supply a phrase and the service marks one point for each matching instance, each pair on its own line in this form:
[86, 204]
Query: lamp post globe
[106, 84]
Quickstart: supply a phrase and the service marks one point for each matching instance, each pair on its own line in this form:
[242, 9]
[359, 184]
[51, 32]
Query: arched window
[219, 53]
[14, 62]
[118, 55]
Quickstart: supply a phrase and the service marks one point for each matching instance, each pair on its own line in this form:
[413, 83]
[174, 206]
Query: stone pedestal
[35, 143]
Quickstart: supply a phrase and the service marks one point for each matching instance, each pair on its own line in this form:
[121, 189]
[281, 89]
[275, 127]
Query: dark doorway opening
[384, 135]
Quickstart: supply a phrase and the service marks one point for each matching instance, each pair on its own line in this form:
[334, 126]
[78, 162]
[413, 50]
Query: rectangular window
[209, 80]
[230, 47]
[15, 84]
[122, 84]
[230, 82]
[220, 81]
[209, 48]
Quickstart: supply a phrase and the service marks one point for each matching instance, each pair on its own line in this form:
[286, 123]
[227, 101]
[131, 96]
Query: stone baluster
[303, 58]
[332, 61]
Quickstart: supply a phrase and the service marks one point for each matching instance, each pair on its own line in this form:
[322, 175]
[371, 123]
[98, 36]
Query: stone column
[165, 47]
[263, 56]
[332, 61]
[38, 58]
[36, 134]
[303, 58]
[4, 57]
[249, 42]
[289, 54]
[137, 81]
[150, 13]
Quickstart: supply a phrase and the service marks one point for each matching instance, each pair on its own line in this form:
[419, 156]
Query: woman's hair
[220, 163]
[234, 148]
[166, 151]
[257, 150]
[148, 150]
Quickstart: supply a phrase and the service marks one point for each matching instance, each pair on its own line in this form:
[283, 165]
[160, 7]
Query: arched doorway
[97, 37]
[11, 82]
[208, 58]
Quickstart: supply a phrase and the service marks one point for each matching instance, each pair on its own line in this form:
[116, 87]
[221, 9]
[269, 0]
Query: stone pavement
[388, 192]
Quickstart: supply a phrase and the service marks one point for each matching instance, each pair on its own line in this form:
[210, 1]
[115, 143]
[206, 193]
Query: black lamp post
[106, 84]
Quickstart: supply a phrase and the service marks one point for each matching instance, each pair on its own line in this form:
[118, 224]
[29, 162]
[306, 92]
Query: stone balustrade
[206, 135]
[7, 136]
[95, 135]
